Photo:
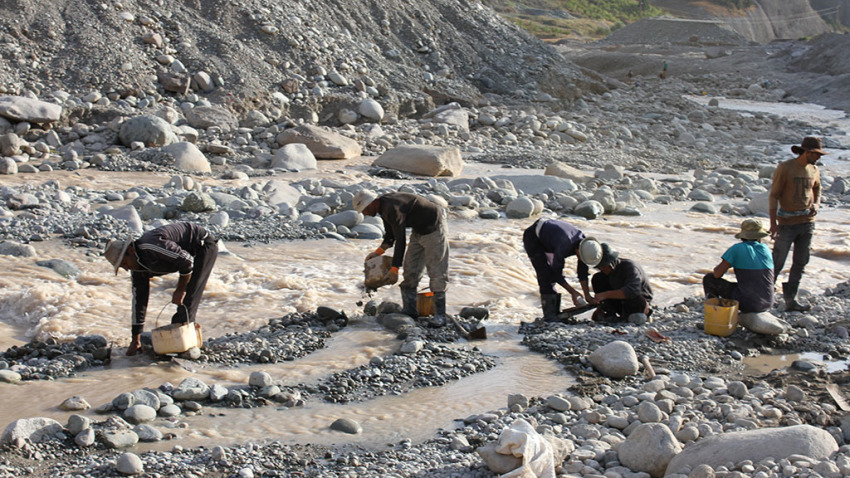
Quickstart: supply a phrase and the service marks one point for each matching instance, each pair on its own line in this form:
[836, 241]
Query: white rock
[616, 359]
[756, 445]
[423, 160]
[188, 158]
[19, 108]
[295, 156]
[371, 109]
[129, 464]
[324, 143]
[34, 429]
[649, 448]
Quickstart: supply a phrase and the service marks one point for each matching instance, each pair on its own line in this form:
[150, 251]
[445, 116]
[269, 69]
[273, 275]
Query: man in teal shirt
[753, 264]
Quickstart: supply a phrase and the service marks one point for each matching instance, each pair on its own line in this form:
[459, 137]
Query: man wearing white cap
[753, 264]
[548, 242]
[621, 289]
[428, 247]
[180, 247]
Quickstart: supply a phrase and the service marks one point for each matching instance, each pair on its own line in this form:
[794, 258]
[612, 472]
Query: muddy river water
[253, 283]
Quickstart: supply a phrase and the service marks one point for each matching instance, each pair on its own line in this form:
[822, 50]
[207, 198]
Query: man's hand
[595, 299]
[135, 345]
[371, 256]
[774, 229]
[177, 297]
[392, 276]
[813, 211]
[578, 300]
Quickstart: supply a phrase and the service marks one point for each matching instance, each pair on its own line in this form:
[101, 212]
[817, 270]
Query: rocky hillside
[242, 52]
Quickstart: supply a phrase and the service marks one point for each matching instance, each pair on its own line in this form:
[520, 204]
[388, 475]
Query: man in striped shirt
[186, 248]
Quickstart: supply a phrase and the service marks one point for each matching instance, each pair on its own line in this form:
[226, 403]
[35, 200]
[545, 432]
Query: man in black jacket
[621, 288]
[428, 247]
[180, 247]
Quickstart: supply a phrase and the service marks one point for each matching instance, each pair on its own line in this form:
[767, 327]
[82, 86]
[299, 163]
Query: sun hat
[115, 251]
[752, 230]
[608, 256]
[362, 199]
[810, 143]
[589, 251]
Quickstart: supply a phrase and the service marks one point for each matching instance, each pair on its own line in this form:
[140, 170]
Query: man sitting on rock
[428, 247]
[180, 247]
[621, 289]
[753, 264]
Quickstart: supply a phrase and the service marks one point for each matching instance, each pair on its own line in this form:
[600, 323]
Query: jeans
[800, 236]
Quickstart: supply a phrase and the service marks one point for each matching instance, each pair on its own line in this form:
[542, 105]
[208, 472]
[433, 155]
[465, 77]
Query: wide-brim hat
[609, 255]
[590, 251]
[363, 199]
[115, 251]
[752, 230]
[810, 143]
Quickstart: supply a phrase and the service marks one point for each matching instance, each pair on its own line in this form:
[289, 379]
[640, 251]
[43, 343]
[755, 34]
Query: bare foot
[134, 348]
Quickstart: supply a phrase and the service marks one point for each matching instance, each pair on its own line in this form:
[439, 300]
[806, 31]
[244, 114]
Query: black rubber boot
[440, 304]
[551, 305]
[789, 292]
[408, 303]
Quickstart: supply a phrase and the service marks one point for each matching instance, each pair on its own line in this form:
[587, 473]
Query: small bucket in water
[425, 303]
[176, 338]
[721, 316]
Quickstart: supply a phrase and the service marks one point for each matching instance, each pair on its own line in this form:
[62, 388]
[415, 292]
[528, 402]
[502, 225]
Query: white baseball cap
[590, 251]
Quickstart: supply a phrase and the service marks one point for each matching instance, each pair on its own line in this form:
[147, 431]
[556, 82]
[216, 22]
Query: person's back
[753, 264]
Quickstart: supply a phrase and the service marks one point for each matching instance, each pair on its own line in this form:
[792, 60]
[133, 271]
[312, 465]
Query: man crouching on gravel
[180, 247]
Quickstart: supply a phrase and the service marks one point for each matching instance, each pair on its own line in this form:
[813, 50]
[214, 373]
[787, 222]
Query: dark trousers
[546, 277]
[619, 308]
[201, 270]
[800, 237]
[714, 287]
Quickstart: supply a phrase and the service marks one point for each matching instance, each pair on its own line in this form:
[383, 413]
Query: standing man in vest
[180, 247]
[794, 201]
[428, 247]
[548, 242]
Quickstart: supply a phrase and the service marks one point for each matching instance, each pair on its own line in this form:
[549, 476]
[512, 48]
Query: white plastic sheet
[522, 440]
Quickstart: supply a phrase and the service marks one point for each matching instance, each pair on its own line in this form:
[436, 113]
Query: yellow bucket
[721, 316]
[425, 303]
[176, 338]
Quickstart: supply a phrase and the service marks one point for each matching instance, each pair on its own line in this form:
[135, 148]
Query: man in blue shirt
[548, 242]
[753, 264]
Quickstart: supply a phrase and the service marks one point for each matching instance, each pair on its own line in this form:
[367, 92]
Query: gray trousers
[431, 252]
[800, 237]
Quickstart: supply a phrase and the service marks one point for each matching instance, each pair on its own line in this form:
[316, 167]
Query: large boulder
[16, 249]
[188, 158]
[649, 448]
[756, 445]
[616, 359]
[564, 170]
[19, 108]
[127, 213]
[452, 114]
[209, 116]
[425, 160]
[295, 156]
[33, 429]
[759, 204]
[762, 323]
[324, 144]
[153, 131]
[191, 389]
[535, 184]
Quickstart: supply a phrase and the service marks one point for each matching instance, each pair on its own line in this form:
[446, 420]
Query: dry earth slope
[440, 50]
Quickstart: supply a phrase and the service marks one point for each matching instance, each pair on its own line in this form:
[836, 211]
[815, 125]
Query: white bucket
[176, 338]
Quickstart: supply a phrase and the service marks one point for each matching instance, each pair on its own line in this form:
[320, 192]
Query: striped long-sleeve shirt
[164, 250]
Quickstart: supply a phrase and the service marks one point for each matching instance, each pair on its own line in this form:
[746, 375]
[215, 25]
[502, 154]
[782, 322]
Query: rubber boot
[789, 292]
[551, 305]
[440, 317]
[408, 303]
